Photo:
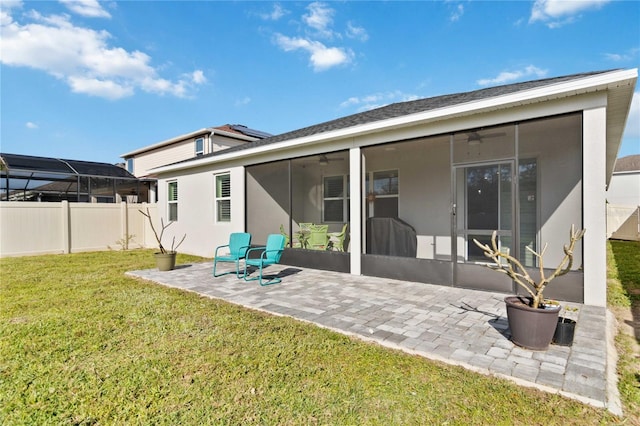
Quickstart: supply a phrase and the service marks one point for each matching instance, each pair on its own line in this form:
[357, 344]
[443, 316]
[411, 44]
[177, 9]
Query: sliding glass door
[484, 203]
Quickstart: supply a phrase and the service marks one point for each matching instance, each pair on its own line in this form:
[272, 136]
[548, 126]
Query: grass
[82, 344]
[623, 296]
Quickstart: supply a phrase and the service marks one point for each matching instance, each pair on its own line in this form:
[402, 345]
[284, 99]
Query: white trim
[356, 203]
[205, 133]
[542, 94]
[216, 215]
[594, 133]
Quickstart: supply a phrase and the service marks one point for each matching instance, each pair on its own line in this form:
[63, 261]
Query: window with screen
[223, 198]
[199, 146]
[335, 198]
[383, 193]
[172, 200]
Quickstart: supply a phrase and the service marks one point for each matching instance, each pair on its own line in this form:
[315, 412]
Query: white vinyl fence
[46, 228]
[623, 222]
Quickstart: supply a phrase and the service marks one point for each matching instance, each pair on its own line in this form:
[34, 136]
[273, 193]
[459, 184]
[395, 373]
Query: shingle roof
[410, 107]
[630, 163]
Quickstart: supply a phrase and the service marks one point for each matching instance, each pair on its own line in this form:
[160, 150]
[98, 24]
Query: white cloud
[377, 100]
[244, 101]
[622, 57]
[356, 32]
[83, 58]
[457, 13]
[88, 8]
[276, 13]
[320, 17]
[319, 22]
[31, 125]
[321, 57]
[509, 76]
[556, 13]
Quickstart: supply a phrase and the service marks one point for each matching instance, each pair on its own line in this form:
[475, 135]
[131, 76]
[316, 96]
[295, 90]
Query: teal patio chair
[239, 244]
[270, 255]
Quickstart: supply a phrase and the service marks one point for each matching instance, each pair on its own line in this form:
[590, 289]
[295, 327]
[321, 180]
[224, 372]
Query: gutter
[571, 88]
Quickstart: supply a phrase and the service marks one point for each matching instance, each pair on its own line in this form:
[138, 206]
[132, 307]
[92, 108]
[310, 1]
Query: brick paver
[458, 326]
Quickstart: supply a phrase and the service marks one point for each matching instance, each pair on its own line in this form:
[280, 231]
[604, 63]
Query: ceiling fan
[323, 160]
[475, 138]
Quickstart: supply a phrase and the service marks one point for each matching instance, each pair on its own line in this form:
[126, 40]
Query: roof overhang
[202, 132]
[164, 143]
[619, 86]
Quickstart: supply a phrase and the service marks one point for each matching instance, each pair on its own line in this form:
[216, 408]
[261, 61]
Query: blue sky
[91, 80]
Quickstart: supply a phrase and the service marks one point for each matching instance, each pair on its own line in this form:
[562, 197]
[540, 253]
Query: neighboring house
[623, 197]
[416, 182]
[194, 144]
[31, 178]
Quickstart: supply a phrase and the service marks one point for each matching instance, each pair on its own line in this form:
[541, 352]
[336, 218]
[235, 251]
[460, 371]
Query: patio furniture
[336, 239]
[318, 237]
[286, 236]
[239, 243]
[303, 234]
[391, 237]
[270, 255]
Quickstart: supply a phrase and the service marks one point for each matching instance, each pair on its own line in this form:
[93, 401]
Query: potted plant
[532, 320]
[565, 329]
[165, 259]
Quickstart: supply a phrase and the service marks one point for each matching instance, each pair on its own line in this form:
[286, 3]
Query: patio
[452, 325]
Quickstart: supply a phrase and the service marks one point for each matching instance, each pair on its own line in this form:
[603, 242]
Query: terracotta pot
[531, 328]
[165, 261]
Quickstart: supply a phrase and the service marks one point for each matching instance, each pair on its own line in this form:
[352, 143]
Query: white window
[335, 193]
[223, 198]
[130, 165]
[172, 200]
[382, 193]
[199, 146]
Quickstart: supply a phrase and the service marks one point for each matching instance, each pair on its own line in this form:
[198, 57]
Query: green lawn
[82, 344]
[623, 293]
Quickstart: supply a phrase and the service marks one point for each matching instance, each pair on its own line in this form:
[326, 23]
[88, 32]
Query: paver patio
[456, 326]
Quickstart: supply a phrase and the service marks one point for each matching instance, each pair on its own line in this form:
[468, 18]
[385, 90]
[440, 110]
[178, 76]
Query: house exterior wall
[572, 182]
[220, 142]
[196, 210]
[144, 162]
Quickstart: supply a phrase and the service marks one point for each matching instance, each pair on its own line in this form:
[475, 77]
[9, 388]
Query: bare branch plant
[174, 246]
[516, 271]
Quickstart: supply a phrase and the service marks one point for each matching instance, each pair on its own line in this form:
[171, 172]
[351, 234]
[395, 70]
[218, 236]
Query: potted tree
[165, 259]
[532, 319]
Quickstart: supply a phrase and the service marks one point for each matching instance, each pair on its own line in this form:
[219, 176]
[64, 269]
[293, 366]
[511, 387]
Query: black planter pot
[531, 328]
[565, 329]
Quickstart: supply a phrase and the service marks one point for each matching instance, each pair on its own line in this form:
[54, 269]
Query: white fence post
[66, 227]
[124, 222]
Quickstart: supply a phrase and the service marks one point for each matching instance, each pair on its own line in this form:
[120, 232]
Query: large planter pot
[165, 261]
[531, 328]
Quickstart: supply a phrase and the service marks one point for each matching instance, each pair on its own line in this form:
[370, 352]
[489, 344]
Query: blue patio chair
[270, 255]
[239, 243]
